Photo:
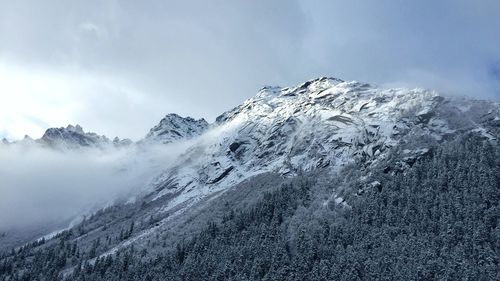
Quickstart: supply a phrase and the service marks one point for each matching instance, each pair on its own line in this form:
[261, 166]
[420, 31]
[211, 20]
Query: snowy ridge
[70, 137]
[73, 137]
[174, 128]
[325, 122]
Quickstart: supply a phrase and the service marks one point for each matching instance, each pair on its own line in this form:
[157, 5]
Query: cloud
[445, 45]
[34, 99]
[46, 186]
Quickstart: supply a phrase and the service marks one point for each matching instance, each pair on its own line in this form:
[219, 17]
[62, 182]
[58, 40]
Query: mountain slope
[437, 220]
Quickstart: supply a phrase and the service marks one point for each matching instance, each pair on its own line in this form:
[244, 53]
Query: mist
[41, 185]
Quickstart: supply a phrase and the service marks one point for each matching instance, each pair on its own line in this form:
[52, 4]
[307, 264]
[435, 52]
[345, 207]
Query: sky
[117, 67]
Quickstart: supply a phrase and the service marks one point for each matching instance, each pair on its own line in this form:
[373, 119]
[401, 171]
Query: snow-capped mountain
[72, 137]
[174, 128]
[325, 122]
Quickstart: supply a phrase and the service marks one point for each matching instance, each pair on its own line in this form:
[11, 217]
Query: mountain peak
[325, 122]
[72, 137]
[174, 127]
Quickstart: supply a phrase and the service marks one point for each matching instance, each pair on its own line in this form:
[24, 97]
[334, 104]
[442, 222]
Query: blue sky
[117, 67]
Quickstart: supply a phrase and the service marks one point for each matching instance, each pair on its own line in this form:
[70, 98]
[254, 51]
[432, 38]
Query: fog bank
[40, 185]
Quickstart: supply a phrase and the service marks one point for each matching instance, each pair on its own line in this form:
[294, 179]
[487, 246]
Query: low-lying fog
[40, 185]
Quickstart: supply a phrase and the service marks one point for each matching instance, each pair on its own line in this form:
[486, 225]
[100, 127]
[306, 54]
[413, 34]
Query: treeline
[438, 220]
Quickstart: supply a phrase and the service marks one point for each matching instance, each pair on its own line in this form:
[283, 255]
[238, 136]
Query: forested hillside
[438, 220]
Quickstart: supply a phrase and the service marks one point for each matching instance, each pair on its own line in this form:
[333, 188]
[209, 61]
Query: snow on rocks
[326, 122]
[174, 128]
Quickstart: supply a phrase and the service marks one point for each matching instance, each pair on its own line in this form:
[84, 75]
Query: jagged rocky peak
[322, 82]
[273, 97]
[174, 127]
[311, 85]
[73, 136]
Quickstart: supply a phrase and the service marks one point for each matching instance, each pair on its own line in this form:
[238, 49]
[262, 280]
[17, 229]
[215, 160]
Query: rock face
[174, 128]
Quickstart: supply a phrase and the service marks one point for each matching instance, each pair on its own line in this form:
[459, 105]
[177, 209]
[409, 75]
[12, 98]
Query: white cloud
[32, 94]
[46, 186]
[34, 99]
